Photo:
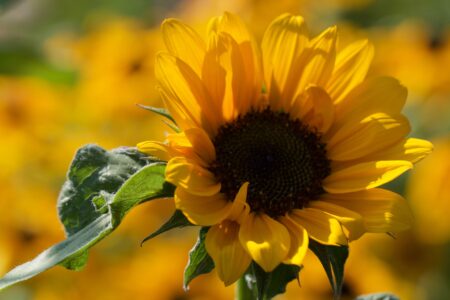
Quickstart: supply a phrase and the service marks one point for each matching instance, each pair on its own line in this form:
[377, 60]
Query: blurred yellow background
[71, 73]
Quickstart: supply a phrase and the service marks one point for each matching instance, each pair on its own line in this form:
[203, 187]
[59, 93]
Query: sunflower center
[283, 160]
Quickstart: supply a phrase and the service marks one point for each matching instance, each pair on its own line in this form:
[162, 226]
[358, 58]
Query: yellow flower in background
[268, 170]
[122, 78]
[429, 192]
[115, 65]
[258, 12]
[410, 46]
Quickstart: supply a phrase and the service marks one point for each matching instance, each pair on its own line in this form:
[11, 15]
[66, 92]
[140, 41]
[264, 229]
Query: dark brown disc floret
[283, 160]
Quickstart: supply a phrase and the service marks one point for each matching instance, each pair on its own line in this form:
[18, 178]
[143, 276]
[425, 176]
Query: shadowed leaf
[333, 260]
[265, 286]
[177, 220]
[199, 260]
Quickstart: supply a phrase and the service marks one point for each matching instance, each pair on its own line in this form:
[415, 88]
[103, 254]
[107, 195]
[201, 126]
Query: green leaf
[94, 176]
[148, 184]
[265, 285]
[101, 188]
[380, 296]
[333, 260]
[78, 243]
[76, 262]
[282, 274]
[199, 260]
[177, 220]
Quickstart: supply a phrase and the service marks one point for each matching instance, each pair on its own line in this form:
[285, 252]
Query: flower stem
[242, 290]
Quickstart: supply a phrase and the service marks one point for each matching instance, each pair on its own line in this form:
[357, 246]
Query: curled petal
[320, 226]
[352, 222]
[230, 258]
[191, 177]
[266, 240]
[240, 209]
[299, 241]
[157, 149]
[201, 143]
[202, 210]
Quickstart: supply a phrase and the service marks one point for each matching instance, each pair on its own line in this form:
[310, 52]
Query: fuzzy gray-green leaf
[94, 176]
[102, 187]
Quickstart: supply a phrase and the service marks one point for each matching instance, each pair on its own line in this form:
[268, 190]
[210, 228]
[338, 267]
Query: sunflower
[283, 145]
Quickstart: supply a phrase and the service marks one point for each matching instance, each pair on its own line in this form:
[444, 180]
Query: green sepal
[177, 220]
[160, 111]
[199, 260]
[333, 260]
[102, 187]
[265, 286]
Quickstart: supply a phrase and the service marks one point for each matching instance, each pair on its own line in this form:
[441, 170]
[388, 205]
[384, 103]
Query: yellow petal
[299, 241]
[320, 226]
[235, 27]
[183, 42]
[202, 210]
[382, 210]
[372, 134]
[231, 24]
[351, 68]
[352, 222]
[179, 140]
[266, 240]
[364, 176]
[283, 43]
[180, 145]
[410, 149]
[156, 149]
[240, 209]
[225, 76]
[192, 177]
[178, 110]
[321, 59]
[185, 89]
[315, 108]
[380, 94]
[230, 258]
[201, 143]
